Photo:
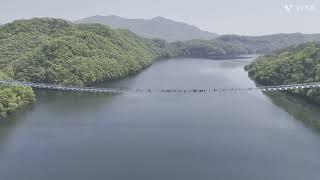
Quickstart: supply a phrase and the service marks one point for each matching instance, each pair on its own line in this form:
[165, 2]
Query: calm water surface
[67, 136]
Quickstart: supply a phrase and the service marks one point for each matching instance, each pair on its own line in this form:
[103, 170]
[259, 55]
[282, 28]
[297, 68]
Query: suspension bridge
[162, 91]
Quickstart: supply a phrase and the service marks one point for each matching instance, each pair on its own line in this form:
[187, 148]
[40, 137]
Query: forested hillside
[13, 98]
[56, 51]
[197, 43]
[268, 43]
[297, 64]
[233, 45]
[59, 52]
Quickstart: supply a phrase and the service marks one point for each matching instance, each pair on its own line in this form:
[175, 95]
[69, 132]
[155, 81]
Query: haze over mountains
[158, 27]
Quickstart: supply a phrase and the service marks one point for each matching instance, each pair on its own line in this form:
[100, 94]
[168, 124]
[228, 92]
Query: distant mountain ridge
[158, 27]
[267, 43]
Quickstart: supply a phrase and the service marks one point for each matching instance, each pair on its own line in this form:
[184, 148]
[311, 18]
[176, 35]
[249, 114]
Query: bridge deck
[150, 90]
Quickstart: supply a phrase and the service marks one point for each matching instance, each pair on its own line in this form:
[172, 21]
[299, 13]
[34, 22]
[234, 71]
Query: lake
[231, 136]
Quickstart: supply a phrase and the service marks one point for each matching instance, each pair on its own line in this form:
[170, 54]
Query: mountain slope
[153, 28]
[227, 46]
[297, 64]
[59, 52]
[267, 43]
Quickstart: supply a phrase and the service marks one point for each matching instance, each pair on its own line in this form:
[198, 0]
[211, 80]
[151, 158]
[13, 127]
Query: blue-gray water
[67, 136]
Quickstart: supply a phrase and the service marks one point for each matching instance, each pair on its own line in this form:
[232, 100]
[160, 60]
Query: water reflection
[300, 109]
[231, 136]
[75, 101]
[9, 124]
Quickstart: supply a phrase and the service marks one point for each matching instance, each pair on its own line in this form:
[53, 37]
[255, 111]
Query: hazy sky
[250, 17]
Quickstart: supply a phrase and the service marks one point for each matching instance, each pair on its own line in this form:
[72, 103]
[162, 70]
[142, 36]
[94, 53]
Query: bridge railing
[168, 90]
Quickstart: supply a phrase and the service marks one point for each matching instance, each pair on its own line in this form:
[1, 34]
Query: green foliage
[297, 64]
[234, 45]
[59, 52]
[13, 98]
[206, 49]
[266, 44]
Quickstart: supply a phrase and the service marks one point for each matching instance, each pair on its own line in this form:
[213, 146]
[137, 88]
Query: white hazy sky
[248, 17]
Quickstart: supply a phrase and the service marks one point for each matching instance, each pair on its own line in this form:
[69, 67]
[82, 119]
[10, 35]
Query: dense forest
[59, 52]
[14, 98]
[56, 51]
[296, 64]
[233, 45]
[268, 43]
